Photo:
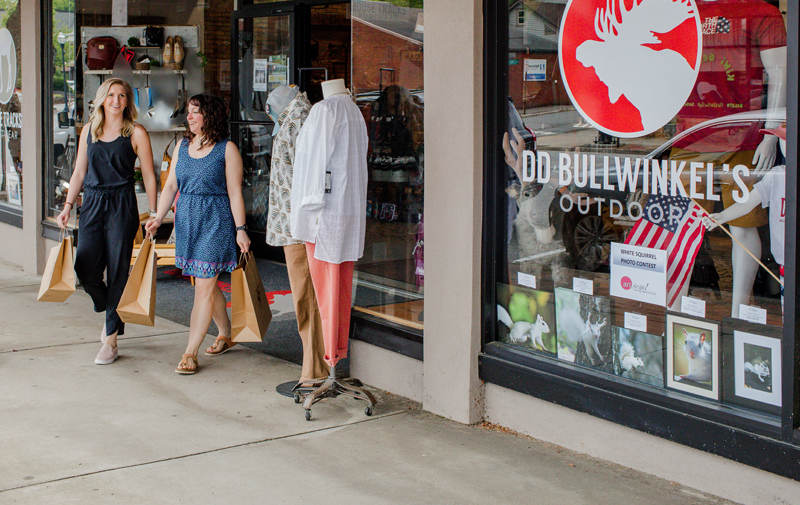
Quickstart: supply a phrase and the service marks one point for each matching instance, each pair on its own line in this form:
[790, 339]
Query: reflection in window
[592, 192]
[11, 183]
[388, 88]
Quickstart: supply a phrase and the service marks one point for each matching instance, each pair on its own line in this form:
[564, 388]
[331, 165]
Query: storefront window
[644, 195]
[11, 183]
[161, 87]
[388, 86]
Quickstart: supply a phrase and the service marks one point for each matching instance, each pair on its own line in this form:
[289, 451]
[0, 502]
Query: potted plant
[138, 181]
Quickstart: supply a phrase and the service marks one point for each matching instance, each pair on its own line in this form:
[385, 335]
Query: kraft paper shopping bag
[138, 302]
[58, 281]
[250, 312]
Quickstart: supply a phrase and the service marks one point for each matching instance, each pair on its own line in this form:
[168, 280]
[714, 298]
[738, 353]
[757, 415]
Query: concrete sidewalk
[136, 432]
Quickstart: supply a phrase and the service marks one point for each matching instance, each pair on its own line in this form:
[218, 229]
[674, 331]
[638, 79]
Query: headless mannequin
[333, 287]
[309, 324]
[333, 87]
[744, 266]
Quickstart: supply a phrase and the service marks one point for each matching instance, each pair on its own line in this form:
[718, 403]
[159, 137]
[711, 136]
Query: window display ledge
[714, 437]
[386, 335]
[11, 215]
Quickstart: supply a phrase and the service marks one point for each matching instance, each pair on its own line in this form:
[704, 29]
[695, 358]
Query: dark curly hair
[215, 118]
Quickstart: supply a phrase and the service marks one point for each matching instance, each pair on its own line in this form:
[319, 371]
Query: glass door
[262, 59]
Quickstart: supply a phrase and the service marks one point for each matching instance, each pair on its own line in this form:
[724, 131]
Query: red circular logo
[630, 65]
[626, 283]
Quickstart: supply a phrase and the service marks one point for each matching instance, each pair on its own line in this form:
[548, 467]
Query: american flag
[673, 224]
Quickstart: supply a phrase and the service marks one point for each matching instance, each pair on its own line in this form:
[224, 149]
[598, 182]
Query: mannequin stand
[332, 387]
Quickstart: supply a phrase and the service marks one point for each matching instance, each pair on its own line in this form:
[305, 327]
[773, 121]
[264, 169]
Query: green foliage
[414, 4]
[62, 5]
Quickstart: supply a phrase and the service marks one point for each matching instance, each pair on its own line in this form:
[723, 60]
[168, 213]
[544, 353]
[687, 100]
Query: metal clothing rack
[312, 392]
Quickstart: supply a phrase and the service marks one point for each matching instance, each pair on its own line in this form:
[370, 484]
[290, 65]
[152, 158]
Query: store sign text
[11, 120]
[651, 176]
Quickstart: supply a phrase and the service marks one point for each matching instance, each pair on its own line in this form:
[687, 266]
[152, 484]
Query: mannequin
[333, 87]
[328, 203]
[770, 192]
[729, 78]
[289, 108]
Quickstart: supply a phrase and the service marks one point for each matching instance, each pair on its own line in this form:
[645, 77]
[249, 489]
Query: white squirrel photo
[628, 359]
[759, 369]
[522, 331]
[698, 353]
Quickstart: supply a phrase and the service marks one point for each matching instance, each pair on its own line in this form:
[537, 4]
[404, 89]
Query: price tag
[753, 314]
[693, 306]
[585, 286]
[526, 280]
[636, 322]
[164, 166]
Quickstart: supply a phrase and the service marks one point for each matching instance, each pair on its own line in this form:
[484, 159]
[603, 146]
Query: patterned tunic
[205, 232]
[280, 176]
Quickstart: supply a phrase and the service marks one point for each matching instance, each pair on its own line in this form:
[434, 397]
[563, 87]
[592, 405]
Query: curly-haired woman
[210, 217]
[104, 169]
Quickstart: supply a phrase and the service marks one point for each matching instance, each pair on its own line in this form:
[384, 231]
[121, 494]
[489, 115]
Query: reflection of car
[729, 140]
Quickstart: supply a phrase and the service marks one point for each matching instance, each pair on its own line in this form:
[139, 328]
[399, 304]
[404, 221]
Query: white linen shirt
[333, 140]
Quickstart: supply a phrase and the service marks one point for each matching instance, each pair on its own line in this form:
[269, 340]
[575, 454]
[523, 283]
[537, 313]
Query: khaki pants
[309, 324]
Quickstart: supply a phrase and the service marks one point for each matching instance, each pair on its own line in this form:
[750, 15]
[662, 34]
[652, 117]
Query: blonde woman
[104, 169]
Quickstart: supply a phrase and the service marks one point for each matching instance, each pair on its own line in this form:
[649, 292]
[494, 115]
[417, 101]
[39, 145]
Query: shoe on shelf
[178, 53]
[107, 355]
[167, 55]
[188, 364]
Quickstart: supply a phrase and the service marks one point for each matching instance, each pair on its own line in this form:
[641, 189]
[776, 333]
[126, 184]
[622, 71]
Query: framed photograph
[641, 356]
[526, 318]
[693, 355]
[584, 329]
[752, 365]
[14, 189]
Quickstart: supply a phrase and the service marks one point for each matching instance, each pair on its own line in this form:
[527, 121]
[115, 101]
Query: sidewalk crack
[90, 342]
[201, 453]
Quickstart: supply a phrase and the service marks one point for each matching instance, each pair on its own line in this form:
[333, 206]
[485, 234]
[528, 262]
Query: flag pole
[740, 244]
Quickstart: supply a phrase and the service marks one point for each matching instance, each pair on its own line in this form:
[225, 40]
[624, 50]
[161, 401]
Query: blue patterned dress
[205, 233]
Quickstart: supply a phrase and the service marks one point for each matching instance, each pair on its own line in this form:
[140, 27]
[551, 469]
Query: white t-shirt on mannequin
[772, 189]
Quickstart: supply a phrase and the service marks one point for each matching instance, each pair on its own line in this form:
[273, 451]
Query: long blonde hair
[98, 118]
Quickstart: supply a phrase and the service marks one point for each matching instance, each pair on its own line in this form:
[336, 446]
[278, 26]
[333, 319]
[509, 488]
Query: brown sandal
[222, 349]
[183, 368]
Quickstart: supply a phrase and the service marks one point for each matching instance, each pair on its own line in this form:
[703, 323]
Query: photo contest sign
[638, 273]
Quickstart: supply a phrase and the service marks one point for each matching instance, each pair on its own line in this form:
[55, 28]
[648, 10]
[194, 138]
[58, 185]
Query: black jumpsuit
[108, 223]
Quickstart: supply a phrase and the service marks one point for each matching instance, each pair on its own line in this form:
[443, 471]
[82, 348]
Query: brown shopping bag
[250, 312]
[138, 302]
[58, 281]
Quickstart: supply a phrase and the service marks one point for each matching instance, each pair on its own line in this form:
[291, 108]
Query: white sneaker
[107, 355]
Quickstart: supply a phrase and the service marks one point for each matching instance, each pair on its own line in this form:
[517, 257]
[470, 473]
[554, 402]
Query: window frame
[708, 427]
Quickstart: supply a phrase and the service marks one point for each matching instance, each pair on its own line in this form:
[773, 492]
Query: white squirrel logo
[632, 61]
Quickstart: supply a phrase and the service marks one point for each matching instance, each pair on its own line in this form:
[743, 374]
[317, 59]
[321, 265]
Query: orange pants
[333, 284]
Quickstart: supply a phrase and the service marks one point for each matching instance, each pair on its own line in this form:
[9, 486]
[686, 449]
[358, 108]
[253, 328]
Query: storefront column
[32, 128]
[453, 203]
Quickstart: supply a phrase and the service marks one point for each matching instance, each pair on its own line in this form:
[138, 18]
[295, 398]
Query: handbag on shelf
[166, 160]
[58, 281]
[101, 53]
[250, 312]
[138, 302]
[153, 36]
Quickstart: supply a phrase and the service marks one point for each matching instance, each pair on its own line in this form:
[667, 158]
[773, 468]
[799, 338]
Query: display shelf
[98, 72]
[147, 72]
